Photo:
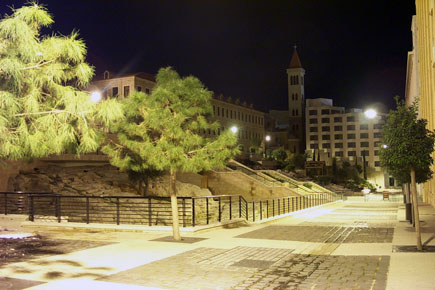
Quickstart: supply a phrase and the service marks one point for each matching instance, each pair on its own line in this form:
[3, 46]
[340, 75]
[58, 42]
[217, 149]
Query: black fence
[151, 210]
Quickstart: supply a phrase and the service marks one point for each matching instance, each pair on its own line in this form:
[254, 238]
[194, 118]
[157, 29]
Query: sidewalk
[345, 245]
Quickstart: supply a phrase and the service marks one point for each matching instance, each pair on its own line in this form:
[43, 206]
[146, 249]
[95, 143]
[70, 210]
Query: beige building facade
[334, 132]
[249, 122]
[421, 73]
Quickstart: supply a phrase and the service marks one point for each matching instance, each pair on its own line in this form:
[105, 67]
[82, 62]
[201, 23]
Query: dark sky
[353, 51]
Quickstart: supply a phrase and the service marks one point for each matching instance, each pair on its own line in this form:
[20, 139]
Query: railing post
[6, 204]
[279, 206]
[246, 206]
[220, 211]
[261, 210]
[31, 209]
[273, 207]
[150, 220]
[87, 210]
[230, 208]
[59, 214]
[117, 210]
[293, 203]
[240, 206]
[193, 212]
[253, 211]
[283, 205]
[206, 205]
[183, 201]
[267, 208]
[288, 204]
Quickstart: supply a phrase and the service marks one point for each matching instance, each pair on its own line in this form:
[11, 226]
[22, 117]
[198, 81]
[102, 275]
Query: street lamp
[234, 129]
[95, 96]
[370, 113]
[385, 146]
[267, 138]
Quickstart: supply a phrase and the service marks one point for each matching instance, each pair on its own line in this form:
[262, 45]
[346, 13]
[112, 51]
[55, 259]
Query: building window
[365, 153]
[338, 128]
[325, 112]
[364, 127]
[364, 144]
[338, 119]
[351, 153]
[377, 135]
[350, 136]
[364, 135]
[338, 136]
[325, 120]
[377, 126]
[377, 164]
[227, 112]
[214, 110]
[326, 145]
[351, 145]
[313, 121]
[325, 129]
[338, 145]
[313, 137]
[218, 111]
[335, 112]
[351, 127]
[314, 146]
[312, 112]
[114, 91]
[376, 152]
[339, 154]
[326, 137]
[147, 91]
[231, 114]
[313, 129]
[139, 89]
[350, 119]
[377, 144]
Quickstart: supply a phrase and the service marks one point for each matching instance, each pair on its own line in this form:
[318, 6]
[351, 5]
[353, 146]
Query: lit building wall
[425, 54]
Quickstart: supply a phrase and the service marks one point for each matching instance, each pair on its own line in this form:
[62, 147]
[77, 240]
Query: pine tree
[42, 109]
[164, 131]
[407, 151]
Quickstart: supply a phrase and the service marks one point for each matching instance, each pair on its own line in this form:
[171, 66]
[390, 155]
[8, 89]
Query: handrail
[153, 210]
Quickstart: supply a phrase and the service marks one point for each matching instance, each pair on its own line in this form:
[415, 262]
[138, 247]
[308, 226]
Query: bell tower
[296, 103]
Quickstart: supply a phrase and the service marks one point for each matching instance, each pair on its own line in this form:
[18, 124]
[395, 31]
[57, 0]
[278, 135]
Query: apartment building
[335, 132]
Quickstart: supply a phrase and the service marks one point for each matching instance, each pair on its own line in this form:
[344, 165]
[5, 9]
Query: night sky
[354, 52]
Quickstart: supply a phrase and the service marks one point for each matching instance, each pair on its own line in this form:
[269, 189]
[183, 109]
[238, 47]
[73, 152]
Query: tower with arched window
[296, 101]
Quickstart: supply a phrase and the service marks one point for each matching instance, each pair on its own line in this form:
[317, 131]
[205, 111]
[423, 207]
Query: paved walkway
[345, 245]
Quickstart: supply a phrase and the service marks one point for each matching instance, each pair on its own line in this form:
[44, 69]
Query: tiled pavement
[338, 246]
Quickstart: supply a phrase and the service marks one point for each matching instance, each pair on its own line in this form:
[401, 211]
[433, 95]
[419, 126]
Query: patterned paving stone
[202, 268]
[321, 272]
[320, 234]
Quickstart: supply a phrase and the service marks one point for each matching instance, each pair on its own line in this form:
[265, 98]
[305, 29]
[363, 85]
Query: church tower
[296, 104]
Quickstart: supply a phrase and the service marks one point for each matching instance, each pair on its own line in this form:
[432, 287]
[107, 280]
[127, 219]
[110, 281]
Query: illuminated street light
[370, 113]
[234, 129]
[385, 146]
[95, 96]
[267, 138]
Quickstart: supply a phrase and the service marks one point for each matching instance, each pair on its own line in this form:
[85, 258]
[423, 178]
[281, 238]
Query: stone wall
[237, 183]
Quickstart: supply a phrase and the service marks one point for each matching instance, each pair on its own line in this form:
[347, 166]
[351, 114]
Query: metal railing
[255, 175]
[151, 210]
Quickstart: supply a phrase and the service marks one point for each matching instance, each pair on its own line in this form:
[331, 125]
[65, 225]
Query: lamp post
[267, 138]
[95, 96]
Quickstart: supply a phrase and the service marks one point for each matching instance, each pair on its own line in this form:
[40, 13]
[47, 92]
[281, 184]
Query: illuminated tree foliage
[407, 154]
[165, 131]
[42, 109]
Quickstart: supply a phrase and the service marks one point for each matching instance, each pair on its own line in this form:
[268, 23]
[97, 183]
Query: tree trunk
[415, 204]
[174, 207]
